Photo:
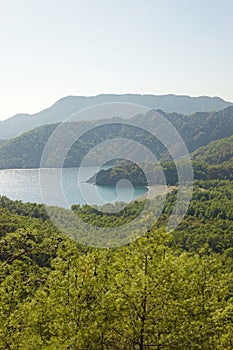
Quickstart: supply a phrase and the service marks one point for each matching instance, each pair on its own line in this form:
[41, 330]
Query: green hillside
[69, 105]
[214, 161]
[164, 290]
[197, 130]
[216, 152]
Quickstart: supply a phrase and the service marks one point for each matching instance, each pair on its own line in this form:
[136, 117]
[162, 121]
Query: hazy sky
[54, 48]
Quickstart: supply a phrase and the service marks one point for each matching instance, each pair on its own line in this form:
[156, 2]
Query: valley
[101, 275]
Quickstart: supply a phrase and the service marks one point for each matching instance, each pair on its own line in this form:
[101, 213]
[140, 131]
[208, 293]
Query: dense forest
[152, 175]
[163, 291]
[216, 152]
[116, 204]
[197, 130]
[213, 161]
[67, 106]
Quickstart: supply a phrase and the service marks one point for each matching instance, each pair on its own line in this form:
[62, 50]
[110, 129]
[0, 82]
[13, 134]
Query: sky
[54, 48]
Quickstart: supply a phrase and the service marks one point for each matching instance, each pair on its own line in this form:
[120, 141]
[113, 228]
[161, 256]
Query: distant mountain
[196, 130]
[69, 105]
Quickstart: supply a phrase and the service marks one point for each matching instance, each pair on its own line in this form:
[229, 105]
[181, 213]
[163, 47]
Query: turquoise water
[24, 184]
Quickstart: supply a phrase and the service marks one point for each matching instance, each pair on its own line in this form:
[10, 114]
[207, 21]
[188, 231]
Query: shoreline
[155, 190]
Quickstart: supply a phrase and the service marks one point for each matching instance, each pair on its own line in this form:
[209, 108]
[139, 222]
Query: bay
[24, 184]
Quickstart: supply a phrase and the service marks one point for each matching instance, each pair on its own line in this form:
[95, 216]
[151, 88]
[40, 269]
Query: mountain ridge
[67, 106]
[196, 130]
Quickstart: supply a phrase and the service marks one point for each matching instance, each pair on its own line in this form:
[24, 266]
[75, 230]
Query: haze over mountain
[197, 130]
[69, 105]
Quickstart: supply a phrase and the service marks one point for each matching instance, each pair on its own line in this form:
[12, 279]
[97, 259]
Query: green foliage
[197, 130]
[163, 291]
[209, 220]
[201, 171]
[216, 152]
[127, 171]
[69, 105]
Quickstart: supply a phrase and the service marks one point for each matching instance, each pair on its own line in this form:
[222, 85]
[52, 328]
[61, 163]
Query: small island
[151, 174]
[126, 171]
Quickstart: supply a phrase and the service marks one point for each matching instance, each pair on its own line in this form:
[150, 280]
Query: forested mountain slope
[69, 105]
[213, 161]
[196, 130]
[216, 152]
[164, 290]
